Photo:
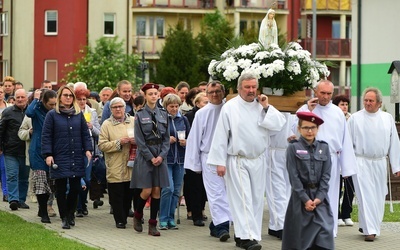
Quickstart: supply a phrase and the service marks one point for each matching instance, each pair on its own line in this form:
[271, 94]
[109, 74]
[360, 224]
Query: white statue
[268, 30]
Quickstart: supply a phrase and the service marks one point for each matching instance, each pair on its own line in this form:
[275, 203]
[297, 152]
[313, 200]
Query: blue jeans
[170, 195]
[17, 178]
[3, 175]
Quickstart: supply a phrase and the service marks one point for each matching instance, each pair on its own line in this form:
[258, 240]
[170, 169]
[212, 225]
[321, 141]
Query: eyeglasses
[217, 92]
[117, 107]
[68, 95]
[309, 128]
[81, 99]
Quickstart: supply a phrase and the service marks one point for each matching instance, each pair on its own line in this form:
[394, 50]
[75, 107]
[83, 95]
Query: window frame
[46, 26]
[151, 27]
[46, 70]
[113, 23]
[4, 24]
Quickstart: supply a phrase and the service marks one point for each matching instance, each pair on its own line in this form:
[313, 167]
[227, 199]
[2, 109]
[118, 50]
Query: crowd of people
[154, 145]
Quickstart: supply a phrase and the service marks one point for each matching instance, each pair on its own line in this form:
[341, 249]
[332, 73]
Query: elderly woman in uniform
[115, 142]
[150, 171]
[309, 219]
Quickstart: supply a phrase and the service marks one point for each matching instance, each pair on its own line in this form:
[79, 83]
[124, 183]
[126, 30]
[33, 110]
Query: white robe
[278, 188]
[334, 131]
[374, 137]
[197, 148]
[240, 142]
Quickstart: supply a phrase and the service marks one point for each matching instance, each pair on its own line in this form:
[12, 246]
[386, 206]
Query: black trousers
[196, 193]
[120, 196]
[66, 202]
[348, 196]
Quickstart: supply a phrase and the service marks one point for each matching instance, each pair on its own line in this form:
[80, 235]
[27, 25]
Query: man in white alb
[197, 149]
[374, 137]
[334, 131]
[238, 149]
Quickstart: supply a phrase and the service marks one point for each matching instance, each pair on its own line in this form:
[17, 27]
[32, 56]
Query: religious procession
[295, 149]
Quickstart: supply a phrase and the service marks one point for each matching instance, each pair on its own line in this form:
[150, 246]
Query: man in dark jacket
[13, 149]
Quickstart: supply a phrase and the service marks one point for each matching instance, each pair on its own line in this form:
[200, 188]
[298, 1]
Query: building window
[151, 26]
[50, 70]
[4, 24]
[109, 24]
[186, 23]
[4, 68]
[141, 26]
[242, 26]
[51, 22]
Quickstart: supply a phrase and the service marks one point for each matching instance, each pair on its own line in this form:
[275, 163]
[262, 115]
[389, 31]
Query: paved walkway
[98, 230]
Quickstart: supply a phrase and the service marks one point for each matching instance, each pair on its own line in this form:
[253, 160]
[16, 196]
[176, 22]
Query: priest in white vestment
[335, 132]
[238, 149]
[374, 138]
[278, 188]
[197, 149]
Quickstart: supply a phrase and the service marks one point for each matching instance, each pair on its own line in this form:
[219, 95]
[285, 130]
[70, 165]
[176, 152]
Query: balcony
[151, 45]
[194, 4]
[339, 5]
[264, 4]
[329, 48]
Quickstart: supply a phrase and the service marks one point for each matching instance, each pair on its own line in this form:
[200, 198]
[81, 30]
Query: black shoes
[120, 225]
[97, 203]
[23, 205]
[79, 214]
[45, 219]
[224, 236]
[248, 244]
[198, 223]
[65, 224]
[276, 233]
[14, 205]
[5, 198]
[85, 211]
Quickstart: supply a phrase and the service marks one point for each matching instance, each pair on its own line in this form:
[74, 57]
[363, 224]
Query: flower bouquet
[291, 69]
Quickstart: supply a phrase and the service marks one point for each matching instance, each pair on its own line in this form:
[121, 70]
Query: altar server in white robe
[278, 188]
[335, 132]
[374, 137]
[197, 149]
[238, 149]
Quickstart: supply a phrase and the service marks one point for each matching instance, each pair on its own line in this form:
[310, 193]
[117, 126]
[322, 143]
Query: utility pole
[314, 29]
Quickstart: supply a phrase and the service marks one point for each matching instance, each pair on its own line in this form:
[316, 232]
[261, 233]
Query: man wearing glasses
[335, 132]
[197, 149]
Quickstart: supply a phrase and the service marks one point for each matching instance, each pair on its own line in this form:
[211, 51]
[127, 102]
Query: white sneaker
[348, 222]
[341, 223]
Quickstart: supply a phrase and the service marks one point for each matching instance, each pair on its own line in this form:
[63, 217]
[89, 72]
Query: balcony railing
[328, 4]
[329, 48]
[148, 44]
[209, 4]
[202, 4]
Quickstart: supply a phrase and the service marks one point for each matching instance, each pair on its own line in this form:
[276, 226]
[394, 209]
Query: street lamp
[143, 65]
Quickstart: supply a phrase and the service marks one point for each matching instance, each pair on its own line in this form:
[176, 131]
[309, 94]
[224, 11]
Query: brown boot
[137, 222]
[153, 228]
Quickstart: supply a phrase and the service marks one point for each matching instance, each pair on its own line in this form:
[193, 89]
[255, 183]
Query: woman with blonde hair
[65, 143]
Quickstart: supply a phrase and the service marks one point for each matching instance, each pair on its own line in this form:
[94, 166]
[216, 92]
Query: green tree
[103, 65]
[213, 40]
[179, 58]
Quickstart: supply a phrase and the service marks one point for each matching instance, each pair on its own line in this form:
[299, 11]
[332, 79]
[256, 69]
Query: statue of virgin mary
[268, 30]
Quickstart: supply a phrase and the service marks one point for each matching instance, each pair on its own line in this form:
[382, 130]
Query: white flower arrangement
[291, 69]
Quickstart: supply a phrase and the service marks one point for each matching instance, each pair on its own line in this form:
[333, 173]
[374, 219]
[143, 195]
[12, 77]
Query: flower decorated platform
[291, 69]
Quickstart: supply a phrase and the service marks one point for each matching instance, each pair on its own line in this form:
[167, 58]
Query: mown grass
[388, 217]
[18, 234]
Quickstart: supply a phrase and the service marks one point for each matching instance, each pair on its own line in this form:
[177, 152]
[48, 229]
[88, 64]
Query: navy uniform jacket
[309, 168]
[151, 142]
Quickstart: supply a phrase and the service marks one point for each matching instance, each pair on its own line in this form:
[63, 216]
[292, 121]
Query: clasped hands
[312, 204]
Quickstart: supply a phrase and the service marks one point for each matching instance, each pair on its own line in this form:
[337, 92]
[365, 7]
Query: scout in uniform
[150, 171]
